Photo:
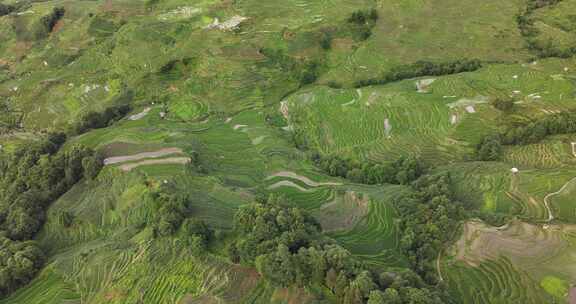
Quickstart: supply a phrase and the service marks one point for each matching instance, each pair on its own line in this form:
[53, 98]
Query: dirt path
[171, 160]
[549, 195]
[155, 154]
[438, 267]
[572, 296]
[288, 184]
[140, 115]
[303, 179]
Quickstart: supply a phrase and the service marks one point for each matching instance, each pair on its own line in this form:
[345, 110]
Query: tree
[377, 297]
[19, 262]
[278, 267]
[197, 227]
[421, 296]
[92, 166]
[6, 9]
[503, 104]
[391, 296]
[489, 149]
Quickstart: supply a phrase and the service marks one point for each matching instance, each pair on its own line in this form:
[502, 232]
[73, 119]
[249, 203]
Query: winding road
[549, 195]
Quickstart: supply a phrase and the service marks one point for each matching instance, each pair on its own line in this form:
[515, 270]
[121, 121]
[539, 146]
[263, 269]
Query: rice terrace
[287, 152]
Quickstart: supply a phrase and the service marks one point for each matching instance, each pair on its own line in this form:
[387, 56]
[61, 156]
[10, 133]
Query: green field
[225, 114]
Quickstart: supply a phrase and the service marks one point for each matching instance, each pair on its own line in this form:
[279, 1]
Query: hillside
[299, 151]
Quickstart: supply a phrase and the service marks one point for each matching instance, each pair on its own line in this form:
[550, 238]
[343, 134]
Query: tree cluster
[428, 215]
[46, 24]
[360, 24]
[6, 9]
[402, 171]
[96, 120]
[543, 49]
[504, 104]
[31, 178]
[533, 132]
[19, 262]
[172, 213]
[36, 175]
[303, 71]
[490, 147]
[423, 68]
[288, 249]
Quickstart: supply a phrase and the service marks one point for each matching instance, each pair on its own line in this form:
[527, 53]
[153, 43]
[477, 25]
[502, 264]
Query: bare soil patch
[288, 184]
[303, 179]
[154, 154]
[518, 241]
[344, 212]
[140, 115]
[164, 161]
[572, 296]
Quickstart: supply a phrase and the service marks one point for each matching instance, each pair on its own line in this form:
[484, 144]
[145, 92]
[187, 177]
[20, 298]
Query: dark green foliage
[196, 227]
[428, 216]
[326, 40]
[36, 175]
[533, 132]
[65, 218]
[33, 177]
[92, 166]
[196, 235]
[334, 85]
[196, 164]
[265, 226]
[504, 104]
[536, 4]
[19, 262]
[304, 71]
[172, 209]
[176, 69]
[360, 24]
[6, 9]
[101, 26]
[96, 120]
[47, 23]
[542, 49]
[489, 149]
[561, 123]
[402, 171]
[423, 68]
[288, 249]
[491, 218]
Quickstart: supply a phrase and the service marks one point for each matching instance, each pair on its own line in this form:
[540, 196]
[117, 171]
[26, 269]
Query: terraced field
[232, 102]
[515, 256]
[414, 30]
[375, 237]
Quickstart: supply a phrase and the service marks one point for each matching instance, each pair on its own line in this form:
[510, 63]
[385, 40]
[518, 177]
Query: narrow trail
[303, 179]
[163, 161]
[549, 195]
[139, 156]
[438, 267]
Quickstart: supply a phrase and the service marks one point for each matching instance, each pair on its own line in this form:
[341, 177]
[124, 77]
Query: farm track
[139, 156]
[164, 161]
[549, 195]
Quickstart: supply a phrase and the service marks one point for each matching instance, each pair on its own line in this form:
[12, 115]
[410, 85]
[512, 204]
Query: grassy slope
[219, 88]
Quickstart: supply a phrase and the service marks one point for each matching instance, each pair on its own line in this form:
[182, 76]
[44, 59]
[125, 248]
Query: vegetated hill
[343, 151]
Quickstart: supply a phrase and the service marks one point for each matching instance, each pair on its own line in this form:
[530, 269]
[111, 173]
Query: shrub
[503, 104]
